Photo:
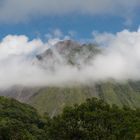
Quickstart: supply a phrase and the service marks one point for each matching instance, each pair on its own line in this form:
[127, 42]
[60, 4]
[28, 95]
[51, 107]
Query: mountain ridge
[52, 99]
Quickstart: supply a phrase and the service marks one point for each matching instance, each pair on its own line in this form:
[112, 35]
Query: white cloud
[56, 33]
[119, 60]
[18, 45]
[21, 10]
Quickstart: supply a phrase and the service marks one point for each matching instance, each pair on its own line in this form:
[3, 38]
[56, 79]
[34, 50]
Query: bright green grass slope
[53, 99]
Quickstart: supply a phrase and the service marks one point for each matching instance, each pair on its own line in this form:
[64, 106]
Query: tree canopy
[19, 121]
[92, 120]
[95, 120]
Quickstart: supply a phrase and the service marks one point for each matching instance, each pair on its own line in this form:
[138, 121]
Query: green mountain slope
[53, 99]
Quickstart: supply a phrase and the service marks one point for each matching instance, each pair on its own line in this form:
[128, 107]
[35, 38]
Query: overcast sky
[38, 17]
[21, 10]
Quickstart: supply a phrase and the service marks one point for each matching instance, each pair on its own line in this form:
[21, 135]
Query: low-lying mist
[119, 60]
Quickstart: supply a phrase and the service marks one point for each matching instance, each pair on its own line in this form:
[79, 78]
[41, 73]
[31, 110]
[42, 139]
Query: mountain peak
[68, 52]
[67, 44]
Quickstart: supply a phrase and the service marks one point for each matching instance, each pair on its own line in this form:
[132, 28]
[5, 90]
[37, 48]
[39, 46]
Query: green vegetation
[95, 120]
[92, 120]
[53, 99]
[19, 121]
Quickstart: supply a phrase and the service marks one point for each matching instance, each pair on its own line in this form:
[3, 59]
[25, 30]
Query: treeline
[92, 120]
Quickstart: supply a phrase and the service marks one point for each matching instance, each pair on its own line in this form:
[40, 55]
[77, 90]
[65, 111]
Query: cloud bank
[21, 10]
[119, 60]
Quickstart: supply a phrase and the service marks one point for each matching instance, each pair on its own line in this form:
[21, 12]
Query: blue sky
[30, 19]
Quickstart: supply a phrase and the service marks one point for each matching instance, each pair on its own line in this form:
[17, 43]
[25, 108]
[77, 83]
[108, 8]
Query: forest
[91, 120]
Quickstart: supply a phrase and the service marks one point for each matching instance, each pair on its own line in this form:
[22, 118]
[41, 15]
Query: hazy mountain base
[53, 99]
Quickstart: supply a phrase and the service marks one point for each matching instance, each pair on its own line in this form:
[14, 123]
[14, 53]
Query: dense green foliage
[92, 120]
[95, 120]
[19, 121]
